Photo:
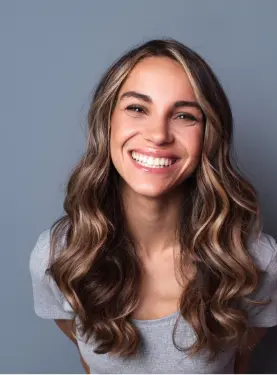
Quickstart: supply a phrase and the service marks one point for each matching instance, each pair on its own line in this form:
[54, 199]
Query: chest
[157, 353]
[160, 290]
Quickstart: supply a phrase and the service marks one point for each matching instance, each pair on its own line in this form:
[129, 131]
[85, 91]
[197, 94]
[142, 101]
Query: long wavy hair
[97, 267]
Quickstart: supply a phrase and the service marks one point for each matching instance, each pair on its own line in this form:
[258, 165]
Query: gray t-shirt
[157, 353]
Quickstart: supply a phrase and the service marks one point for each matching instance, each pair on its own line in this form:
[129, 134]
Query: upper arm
[254, 335]
[68, 327]
[260, 317]
[264, 252]
[49, 302]
[242, 357]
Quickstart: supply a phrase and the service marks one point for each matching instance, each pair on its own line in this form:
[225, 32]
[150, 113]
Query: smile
[152, 162]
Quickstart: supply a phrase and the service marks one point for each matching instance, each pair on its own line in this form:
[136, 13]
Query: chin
[148, 191]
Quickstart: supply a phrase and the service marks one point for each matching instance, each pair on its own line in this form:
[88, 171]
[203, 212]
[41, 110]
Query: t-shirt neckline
[154, 321]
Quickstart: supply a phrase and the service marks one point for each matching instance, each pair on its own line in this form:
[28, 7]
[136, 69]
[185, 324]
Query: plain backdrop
[52, 55]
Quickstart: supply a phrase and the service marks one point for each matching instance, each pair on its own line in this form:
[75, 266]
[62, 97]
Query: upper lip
[149, 151]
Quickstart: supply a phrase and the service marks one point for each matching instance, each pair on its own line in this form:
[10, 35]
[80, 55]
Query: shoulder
[42, 245]
[263, 251]
[39, 257]
[49, 302]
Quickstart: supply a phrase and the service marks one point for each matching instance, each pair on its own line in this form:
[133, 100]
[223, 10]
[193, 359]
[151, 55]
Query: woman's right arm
[66, 326]
[49, 302]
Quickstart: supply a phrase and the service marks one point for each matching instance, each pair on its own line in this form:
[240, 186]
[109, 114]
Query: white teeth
[152, 162]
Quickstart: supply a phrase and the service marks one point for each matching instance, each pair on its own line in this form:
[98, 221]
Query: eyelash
[134, 107]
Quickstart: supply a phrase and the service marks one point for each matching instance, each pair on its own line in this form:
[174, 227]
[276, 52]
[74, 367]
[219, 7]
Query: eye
[136, 109]
[186, 116]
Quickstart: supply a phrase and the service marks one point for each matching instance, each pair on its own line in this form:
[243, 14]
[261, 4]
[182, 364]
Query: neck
[153, 222]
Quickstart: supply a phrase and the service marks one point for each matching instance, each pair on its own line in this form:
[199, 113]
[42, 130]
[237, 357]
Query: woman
[160, 264]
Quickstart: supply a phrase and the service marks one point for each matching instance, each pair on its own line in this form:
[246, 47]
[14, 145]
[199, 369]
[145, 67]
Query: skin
[151, 200]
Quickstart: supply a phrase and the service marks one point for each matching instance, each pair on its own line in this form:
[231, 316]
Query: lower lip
[154, 170]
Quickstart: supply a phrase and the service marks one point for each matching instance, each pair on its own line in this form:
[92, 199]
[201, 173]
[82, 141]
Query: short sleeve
[49, 302]
[264, 252]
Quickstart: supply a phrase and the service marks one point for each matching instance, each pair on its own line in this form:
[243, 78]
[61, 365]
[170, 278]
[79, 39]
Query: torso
[161, 289]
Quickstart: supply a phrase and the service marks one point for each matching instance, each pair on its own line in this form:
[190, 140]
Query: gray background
[52, 53]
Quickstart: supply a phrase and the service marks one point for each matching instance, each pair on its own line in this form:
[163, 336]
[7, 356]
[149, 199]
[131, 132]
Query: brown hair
[98, 269]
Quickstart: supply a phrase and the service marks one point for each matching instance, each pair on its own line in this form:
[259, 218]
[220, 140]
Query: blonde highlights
[98, 269]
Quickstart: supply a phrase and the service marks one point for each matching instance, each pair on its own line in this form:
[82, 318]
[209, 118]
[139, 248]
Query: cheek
[193, 142]
[121, 131]
[114, 132]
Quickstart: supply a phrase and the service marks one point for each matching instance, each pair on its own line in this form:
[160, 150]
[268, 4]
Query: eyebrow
[147, 99]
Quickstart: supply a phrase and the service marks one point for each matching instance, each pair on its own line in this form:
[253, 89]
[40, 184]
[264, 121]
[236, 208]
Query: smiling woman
[166, 130]
[160, 264]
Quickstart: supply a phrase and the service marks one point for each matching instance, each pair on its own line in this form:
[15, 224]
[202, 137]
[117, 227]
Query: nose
[158, 132]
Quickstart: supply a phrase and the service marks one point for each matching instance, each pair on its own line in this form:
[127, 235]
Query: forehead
[159, 76]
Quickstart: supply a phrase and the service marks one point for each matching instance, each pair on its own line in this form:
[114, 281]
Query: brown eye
[135, 108]
[186, 116]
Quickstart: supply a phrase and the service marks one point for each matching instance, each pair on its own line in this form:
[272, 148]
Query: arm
[242, 358]
[66, 326]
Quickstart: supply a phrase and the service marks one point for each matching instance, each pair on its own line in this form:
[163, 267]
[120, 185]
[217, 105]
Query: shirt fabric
[157, 354]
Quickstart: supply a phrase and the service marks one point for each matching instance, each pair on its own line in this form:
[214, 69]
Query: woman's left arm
[242, 358]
